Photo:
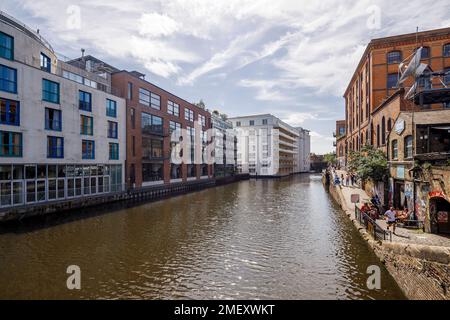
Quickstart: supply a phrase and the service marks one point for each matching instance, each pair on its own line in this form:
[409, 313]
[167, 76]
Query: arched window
[389, 125]
[394, 149]
[446, 50]
[408, 147]
[341, 151]
[383, 131]
[394, 57]
[371, 134]
[378, 135]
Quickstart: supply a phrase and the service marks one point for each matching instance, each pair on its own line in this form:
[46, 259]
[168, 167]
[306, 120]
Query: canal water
[265, 239]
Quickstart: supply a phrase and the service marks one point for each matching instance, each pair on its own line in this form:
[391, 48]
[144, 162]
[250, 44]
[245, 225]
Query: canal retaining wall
[132, 195]
[421, 271]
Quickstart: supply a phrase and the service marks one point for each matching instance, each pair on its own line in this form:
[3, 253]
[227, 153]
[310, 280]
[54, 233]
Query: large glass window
[173, 126]
[6, 46]
[152, 148]
[152, 172]
[188, 115]
[86, 125]
[53, 119]
[88, 149]
[111, 108]
[112, 129]
[173, 108]
[392, 80]
[149, 99]
[46, 63]
[11, 144]
[8, 79]
[85, 101]
[55, 147]
[113, 151]
[50, 91]
[394, 57]
[151, 124]
[9, 112]
[408, 147]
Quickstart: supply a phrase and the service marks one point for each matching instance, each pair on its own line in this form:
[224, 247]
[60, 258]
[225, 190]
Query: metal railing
[377, 232]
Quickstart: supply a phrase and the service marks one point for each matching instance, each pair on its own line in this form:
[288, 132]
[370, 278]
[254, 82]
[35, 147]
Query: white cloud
[156, 25]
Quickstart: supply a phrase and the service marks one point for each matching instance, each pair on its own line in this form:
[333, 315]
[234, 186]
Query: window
[88, 149]
[149, 99]
[383, 131]
[152, 172]
[189, 115]
[113, 151]
[55, 147]
[133, 118]
[8, 79]
[72, 76]
[238, 123]
[11, 144]
[9, 112]
[50, 91]
[152, 148]
[86, 125]
[111, 108]
[202, 120]
[392, 80]
[6, 46]
[341, 131]
[394, 57]
[151, 124]
[425, 53]
[264, 121]
[446, 50]
[130, 91]
[155, 101]
[447, 105]
[252, 122]
[424, 82]
[53, 119]
[394, 149]
[112, 129]
[46, 63]
[85, 101]
[408, 147]
[447, 76]
[173, 108]
[173, 126]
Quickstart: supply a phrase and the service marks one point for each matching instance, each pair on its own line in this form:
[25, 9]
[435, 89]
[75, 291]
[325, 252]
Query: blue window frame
[111, 108]
[50, 91]
[6, 46]
[53, 119]
[88, 149]
[112, 129]
[55, 147]
[86, 125]
[113, 151]
[11, 144]
[46, 63]
[8, 79]
[394, 57]
[85, 101]
[392, 80]
[9, 112]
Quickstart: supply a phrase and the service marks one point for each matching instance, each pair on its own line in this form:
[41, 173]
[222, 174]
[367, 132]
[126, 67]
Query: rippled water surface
[265, 239]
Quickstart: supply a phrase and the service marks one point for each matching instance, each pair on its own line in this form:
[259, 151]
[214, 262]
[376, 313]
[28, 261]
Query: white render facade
[304, 150]
[51, 148]
[267, 146]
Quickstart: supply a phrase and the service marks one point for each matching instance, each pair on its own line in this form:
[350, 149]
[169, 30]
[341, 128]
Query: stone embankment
[422, 271]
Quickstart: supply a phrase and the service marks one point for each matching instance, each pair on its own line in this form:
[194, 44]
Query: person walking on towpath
[391, 218]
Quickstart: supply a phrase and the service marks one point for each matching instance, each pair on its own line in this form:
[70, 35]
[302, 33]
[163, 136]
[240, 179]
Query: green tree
[369, 163]
[330, 158]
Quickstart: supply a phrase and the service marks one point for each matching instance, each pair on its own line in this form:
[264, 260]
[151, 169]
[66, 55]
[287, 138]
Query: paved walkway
[401, 234]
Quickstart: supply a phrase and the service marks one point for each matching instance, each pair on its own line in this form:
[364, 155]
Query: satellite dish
[412, 66]
[411, 91]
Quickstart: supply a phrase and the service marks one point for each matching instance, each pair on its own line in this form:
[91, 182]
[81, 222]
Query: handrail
[372, 227]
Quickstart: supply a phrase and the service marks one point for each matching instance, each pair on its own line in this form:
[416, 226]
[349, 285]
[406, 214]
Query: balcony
[334, 144]
[155, 130]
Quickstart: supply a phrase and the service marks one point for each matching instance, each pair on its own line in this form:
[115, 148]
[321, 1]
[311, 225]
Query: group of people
[392, 216]
[348, 180]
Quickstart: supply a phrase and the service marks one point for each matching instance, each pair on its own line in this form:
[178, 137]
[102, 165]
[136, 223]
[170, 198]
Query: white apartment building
[267, 146]
[225, 146]
[304, 150]
[62, 134]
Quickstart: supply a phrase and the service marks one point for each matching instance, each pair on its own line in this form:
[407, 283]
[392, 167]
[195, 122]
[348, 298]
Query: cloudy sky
[291, 58]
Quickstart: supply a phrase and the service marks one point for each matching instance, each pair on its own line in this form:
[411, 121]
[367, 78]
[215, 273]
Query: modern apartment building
[304, 150]
[267, 146]
[62, 132]
[225, 149]
[375, 81]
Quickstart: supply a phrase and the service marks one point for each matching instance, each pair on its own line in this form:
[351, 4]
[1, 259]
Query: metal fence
[377, 232]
